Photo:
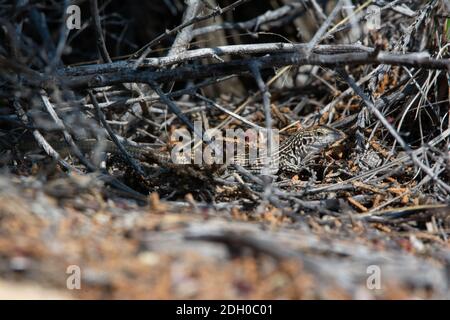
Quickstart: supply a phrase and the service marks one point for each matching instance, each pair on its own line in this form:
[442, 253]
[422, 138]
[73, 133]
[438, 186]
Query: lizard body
[293, 153]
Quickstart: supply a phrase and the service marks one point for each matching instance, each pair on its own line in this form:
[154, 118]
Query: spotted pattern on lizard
[292, 155]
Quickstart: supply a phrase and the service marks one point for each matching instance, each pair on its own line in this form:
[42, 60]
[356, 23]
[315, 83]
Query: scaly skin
[292, 155]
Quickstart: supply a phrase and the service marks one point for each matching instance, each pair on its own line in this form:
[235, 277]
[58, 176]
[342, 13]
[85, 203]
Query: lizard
[292, 155]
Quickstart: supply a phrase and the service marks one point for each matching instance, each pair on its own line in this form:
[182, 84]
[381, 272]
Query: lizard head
[322, 137]
[307, 143]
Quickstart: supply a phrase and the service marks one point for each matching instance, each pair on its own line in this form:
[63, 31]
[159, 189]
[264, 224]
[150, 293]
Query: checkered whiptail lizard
[293, 153]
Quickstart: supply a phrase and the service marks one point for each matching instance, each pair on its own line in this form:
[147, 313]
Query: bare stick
[67, 136]
[290, 9]
[417, 60]
[324, 27]
[198, 54]
[184, 37]
[114, 138]
[98, 32]
[230, 113]
[147, 49]
[40, 138]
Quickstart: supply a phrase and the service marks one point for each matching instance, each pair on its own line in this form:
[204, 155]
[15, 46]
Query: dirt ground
[170, 251]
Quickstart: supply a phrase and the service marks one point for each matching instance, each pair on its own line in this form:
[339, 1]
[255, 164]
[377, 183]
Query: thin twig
[135, 165]
[99, 33]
